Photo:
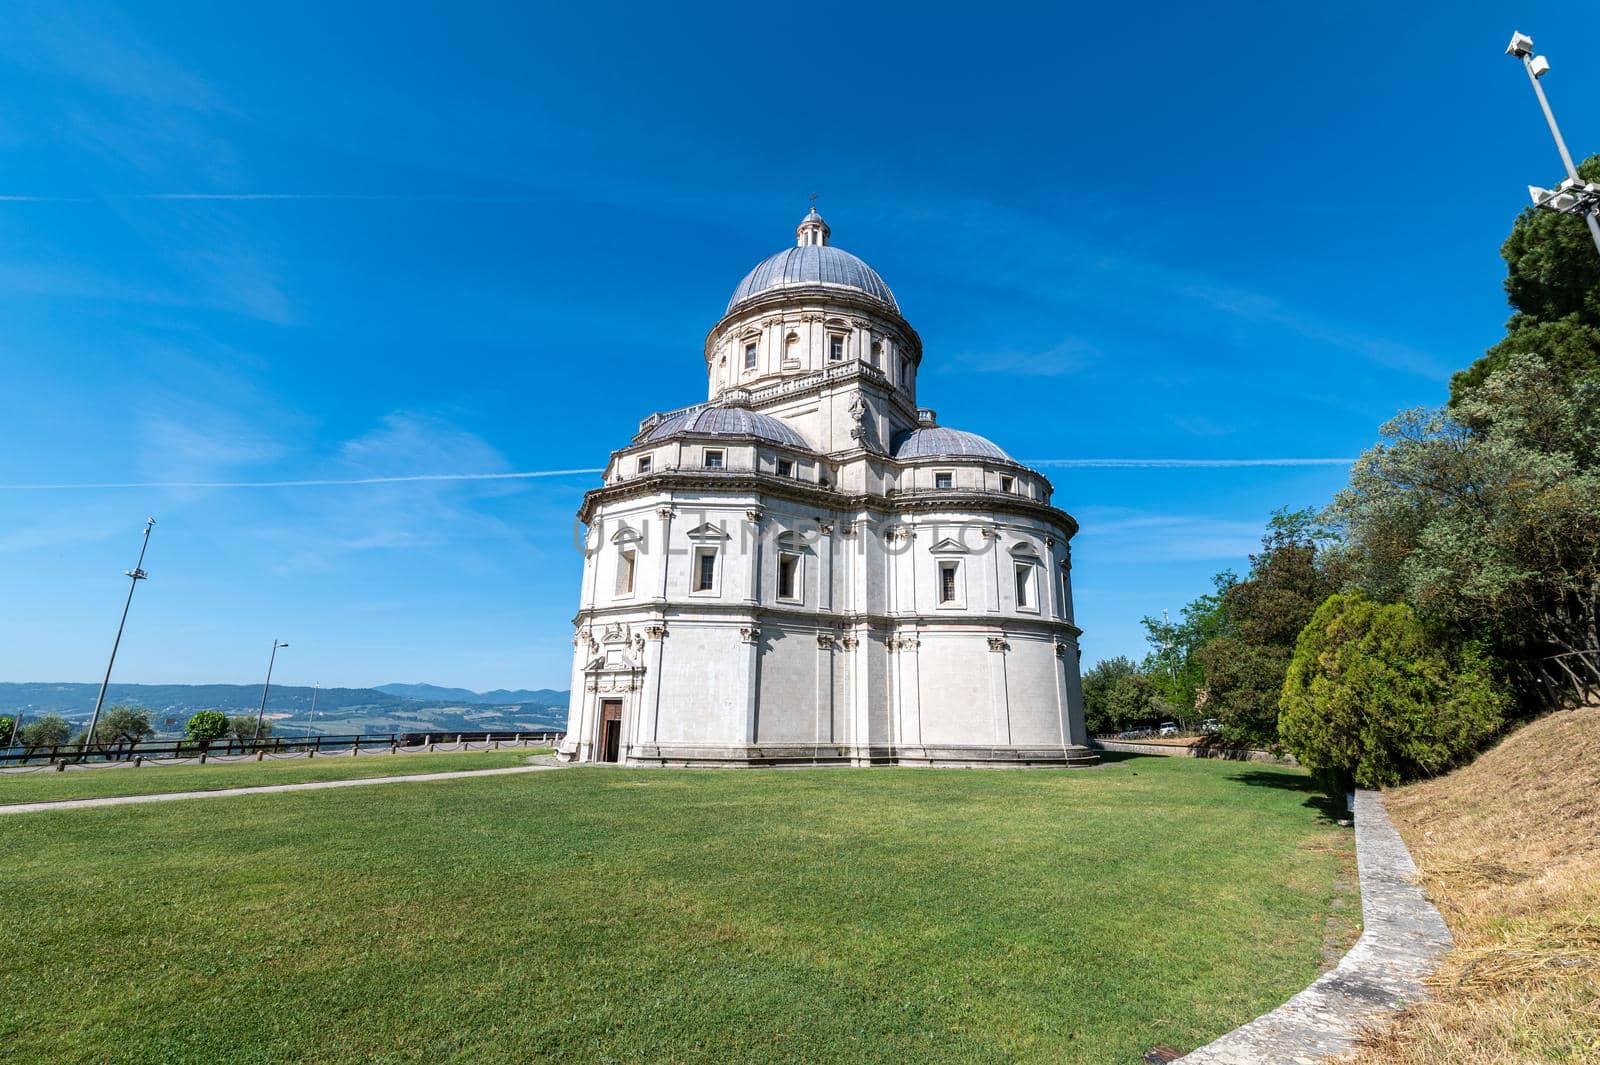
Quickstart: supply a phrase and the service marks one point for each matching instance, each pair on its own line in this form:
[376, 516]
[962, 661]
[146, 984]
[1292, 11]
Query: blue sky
[335, 242]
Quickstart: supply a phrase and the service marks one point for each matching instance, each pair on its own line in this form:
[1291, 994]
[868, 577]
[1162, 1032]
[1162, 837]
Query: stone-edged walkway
[1402, 939]
[264, 789]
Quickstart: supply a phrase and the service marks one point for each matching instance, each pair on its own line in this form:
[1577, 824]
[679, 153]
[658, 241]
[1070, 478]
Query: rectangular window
[1024, 577]
[705, 570]
[644, 464]
[836, 348]
[713, 458]
[785, 467]
[789, 576]
[750, 356]
[626, 563]
[944, 479]
[1008, 484]
[948, 573]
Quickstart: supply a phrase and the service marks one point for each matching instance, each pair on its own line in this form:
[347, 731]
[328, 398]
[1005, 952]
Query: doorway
[610, 729]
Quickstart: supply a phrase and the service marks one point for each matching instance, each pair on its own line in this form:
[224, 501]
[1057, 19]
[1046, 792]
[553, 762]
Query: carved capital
[664, 513]
[753, 515]
[749, 633]
[655, 630]
[1061, 649]
[849, 641]
[998, 643]
[825, 641]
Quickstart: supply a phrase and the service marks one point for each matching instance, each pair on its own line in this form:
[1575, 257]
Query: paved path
[264, 789]
[1402, 939]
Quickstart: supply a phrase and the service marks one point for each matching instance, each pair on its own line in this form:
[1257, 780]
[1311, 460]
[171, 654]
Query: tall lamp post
[1574, 195]
[135, 575]
[263, 711]
[313, 719]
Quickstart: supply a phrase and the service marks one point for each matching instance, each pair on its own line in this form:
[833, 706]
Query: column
[997, 690]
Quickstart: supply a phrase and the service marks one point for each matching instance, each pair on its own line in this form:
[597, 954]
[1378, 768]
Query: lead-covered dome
[813, 262]
[708, 419]
[937, 442]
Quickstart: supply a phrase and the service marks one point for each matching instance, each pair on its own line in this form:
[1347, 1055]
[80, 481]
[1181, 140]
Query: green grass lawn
[47, 786]
[652, 915]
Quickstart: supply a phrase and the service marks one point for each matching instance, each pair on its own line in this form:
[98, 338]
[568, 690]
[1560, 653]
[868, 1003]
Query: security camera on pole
[1572, 196]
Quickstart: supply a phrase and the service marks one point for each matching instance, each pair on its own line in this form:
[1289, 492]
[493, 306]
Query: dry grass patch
[1509, 849]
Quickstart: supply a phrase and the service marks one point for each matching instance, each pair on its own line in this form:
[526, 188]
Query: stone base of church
[806, 754]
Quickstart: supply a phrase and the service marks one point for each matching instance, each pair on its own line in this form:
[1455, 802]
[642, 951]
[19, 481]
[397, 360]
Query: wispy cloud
[1136, 537]
[1066, 358]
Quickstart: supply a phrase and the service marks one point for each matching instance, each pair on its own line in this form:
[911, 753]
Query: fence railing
[267, 745]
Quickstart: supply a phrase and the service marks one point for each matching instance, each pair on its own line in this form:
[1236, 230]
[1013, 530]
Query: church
[808, 569]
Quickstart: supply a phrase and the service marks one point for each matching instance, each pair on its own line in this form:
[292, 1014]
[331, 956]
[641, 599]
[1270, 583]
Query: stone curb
[1402, 939]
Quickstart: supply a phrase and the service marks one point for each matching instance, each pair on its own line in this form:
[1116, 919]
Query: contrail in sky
[524, 475]
[248, 197]
[318, 483]
[1178, 464]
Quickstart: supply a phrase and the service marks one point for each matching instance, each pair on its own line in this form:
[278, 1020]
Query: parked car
[1169, 728]
[1212, 725]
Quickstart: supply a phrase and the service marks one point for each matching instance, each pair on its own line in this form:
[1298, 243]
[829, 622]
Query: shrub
[123, 724]
[50, 730]
[1372, 698]
[243, 727]
[207, 725]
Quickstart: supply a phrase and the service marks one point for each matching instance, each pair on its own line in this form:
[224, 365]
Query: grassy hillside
[646, 915]
[1509, 849]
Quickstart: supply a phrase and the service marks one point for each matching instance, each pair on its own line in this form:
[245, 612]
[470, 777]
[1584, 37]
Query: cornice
[668, 611]
[736, 481]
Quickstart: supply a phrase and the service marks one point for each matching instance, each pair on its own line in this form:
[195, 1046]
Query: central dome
[813, 262]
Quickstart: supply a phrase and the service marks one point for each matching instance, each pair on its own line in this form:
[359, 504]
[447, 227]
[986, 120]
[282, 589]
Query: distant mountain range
[389, 708]
[499, 697]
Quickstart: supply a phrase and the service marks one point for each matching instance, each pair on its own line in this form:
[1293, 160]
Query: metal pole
[262, 712]
[135, 575]
[313, 718]
[16, 729]
[1561, 143]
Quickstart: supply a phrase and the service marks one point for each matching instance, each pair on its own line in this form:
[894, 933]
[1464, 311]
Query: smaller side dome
[709, 419]
[937, 442]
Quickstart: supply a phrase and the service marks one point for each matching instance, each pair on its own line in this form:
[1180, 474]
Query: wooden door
[610, 729]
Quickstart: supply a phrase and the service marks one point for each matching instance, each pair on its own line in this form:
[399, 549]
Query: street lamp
[313, 719]
[1574, 195]
[262, 712]
[135, 575]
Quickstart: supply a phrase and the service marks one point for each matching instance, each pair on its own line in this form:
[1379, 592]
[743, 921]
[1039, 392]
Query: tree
[123, 724]
[243, 727]
[49, 730]
[1097, 692]
[1171, 666]
[206, 725]
[1485, 518]
[1371, 698]
[1553, 285]
[8, 724]
[1260, 619]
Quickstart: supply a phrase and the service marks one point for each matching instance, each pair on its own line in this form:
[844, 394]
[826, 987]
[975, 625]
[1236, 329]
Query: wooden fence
[150, 750]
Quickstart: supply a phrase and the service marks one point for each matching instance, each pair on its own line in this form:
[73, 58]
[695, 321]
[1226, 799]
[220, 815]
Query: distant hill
[498, 697]
[338, 710]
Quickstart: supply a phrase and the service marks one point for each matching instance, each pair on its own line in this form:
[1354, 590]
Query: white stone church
[809, 569]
